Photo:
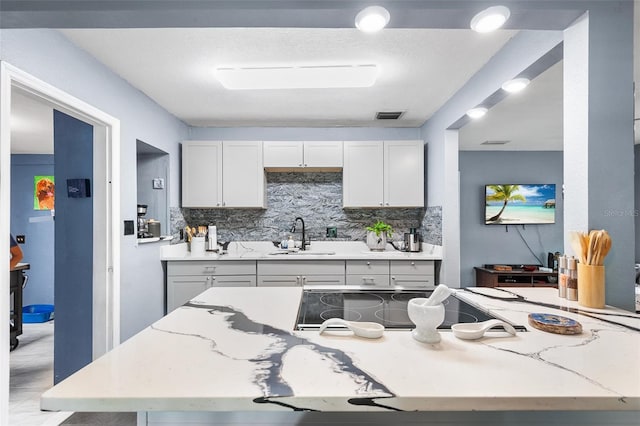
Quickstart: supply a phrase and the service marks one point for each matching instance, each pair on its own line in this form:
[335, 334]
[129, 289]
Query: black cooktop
[386, 307]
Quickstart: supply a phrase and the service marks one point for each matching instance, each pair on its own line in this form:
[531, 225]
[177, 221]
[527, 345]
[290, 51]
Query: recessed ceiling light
[302, 77]
[477, 112]
[490, 19]
[515, 85]
[372, 19]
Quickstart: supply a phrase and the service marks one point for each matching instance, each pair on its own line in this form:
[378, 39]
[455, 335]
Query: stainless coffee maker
[412, 240]
[143, 230]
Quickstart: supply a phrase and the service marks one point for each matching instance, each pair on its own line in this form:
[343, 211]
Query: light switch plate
[128, 227]
[158, 183]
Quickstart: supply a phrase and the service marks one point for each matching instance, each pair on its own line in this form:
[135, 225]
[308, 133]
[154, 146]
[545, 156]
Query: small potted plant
[377, 235]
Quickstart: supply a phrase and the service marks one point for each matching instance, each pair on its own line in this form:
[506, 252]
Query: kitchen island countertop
[234, 349]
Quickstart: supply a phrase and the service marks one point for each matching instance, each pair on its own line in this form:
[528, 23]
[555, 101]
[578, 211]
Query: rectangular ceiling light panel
[308, 77]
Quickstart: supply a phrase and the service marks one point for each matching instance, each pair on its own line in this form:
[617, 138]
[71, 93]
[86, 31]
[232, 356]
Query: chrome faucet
[293, 229]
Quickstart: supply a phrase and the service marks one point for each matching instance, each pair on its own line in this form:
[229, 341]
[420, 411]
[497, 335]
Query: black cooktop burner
[387, 307]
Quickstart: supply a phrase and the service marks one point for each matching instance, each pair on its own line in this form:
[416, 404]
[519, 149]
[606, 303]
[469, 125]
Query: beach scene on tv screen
[520, 204]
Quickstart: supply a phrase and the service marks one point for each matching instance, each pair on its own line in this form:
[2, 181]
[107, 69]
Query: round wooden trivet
[555, 324]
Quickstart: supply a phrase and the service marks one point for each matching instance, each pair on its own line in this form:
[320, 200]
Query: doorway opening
[106, 213]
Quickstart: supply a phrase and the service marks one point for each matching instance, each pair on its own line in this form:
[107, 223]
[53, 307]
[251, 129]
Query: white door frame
[106, 212]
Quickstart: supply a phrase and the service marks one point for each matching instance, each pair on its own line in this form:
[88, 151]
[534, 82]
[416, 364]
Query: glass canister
[572, 280]
[562, 276]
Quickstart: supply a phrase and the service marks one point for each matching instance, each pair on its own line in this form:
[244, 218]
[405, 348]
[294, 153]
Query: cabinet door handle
[305, 164]
[300, 165]
[381, 204]
[387, 203]
[224, 203]
[413, 263]
[368, 280]
[393, 278]
[368, 263]
[304, 280]
[217, 204]
[298, 280]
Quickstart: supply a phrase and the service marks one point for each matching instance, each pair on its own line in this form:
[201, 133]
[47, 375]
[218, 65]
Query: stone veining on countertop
[538, 356]
[235, 349]
[591, 314]
[270, 363]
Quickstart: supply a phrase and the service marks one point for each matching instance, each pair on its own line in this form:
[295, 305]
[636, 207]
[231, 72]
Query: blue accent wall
[480, 243]
[73, 150]
[35, 225]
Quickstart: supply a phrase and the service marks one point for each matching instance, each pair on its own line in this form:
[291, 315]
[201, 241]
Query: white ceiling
[530, 120]
[420, 70]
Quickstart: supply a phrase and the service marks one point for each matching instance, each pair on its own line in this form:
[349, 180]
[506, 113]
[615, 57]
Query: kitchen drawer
[372, 280]
[279, 280]
[323, 280]
[301, 267]
[211, 267]
[411, 267]
[367, 267]
[413, 280]
[233, 281]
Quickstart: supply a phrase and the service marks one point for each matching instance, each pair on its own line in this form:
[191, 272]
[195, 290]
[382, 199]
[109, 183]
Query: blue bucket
[37, 313]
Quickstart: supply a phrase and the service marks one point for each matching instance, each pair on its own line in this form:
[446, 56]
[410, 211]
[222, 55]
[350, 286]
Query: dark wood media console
[518, 276]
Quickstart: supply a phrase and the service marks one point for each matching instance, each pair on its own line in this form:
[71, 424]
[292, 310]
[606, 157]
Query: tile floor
[31, 373]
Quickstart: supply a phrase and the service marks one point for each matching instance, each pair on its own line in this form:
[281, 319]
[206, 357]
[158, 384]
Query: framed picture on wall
[44, 193]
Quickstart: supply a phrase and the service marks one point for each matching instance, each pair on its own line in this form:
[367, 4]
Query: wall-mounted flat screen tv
[520, 204]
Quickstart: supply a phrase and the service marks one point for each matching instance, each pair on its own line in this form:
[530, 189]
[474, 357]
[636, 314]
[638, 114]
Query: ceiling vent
[495, 142]
[389, 115]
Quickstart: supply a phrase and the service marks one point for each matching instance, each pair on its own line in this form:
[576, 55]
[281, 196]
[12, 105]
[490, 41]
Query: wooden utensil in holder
[591, 286]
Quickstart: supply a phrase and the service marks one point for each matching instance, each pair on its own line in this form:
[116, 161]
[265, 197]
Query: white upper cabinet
[243, 178]
[223, 174]
[201, 174]
[322, 153]
[383, 174]
[283, 154]
[404, 173]
[301, 154]
[362, 175]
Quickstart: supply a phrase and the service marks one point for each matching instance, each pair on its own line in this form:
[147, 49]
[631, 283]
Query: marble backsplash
[317, 198]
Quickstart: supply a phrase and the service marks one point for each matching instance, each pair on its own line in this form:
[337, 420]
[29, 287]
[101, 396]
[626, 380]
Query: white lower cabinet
[412, 273]
[181, 289]
[187, 279]
[301, 272]
[374, 273]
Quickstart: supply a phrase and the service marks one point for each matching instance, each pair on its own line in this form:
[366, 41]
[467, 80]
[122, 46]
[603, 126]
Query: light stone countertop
[265, 250]
[234, 349]
[165, 238]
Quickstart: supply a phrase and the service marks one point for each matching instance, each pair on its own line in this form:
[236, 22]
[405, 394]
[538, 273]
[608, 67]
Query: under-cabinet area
[187, 279]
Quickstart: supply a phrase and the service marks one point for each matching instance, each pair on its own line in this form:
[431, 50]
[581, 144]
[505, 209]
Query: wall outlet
[20, 239]
[332, 232]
